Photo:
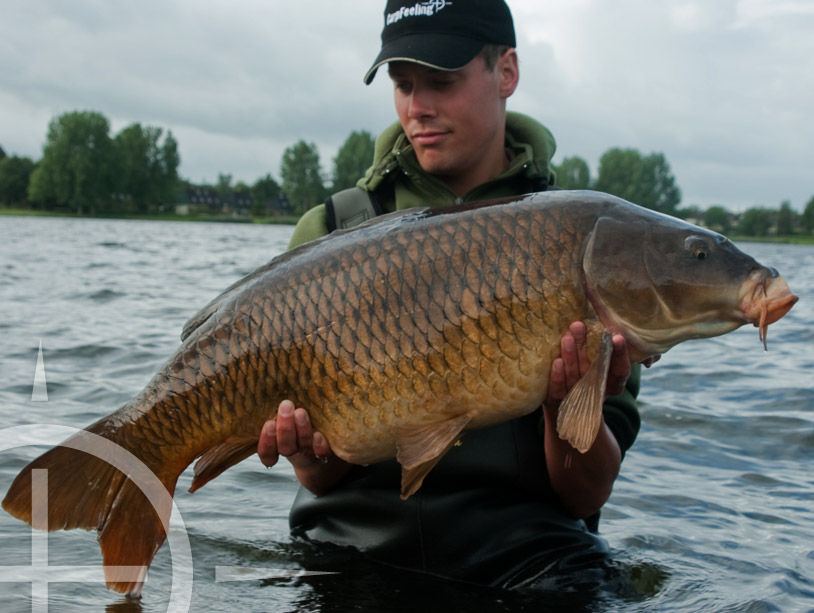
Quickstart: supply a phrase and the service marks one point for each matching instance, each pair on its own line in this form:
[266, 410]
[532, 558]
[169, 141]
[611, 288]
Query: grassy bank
[797, 239]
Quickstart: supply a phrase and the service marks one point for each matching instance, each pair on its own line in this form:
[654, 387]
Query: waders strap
[349, 208]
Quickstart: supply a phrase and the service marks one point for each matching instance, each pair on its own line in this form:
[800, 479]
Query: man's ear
[508, 73]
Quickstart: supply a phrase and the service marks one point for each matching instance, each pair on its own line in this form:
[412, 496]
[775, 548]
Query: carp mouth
[767, 298]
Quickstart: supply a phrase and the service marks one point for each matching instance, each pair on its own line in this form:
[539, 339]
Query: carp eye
[697, 247]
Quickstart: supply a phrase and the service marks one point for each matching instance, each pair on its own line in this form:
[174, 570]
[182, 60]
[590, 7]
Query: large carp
[398, 336]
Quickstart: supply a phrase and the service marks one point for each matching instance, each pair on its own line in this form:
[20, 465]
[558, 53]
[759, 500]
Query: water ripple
[712, 512]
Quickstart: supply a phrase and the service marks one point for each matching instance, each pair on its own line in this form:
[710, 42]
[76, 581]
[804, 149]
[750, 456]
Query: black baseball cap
[442, 34]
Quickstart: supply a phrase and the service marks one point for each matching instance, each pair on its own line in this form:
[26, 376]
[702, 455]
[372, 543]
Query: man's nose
[421, 104]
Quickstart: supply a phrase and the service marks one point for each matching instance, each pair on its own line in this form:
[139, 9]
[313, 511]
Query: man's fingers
[305, 435]
[286, 429]
[321, 447]
[267, 445]
[619, 369]
[556, 383]
[570, 360]
[580, 334]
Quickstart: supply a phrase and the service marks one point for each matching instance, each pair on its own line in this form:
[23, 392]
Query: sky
[723, 88]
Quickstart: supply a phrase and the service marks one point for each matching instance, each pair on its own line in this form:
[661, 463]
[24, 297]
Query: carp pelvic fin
[580, 413]
[421, 448]
[220, 457]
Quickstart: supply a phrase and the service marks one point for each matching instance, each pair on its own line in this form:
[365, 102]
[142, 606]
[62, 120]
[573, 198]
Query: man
[514, 502]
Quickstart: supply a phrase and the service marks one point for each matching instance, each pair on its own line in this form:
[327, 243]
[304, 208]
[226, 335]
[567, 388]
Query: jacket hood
[525, 136]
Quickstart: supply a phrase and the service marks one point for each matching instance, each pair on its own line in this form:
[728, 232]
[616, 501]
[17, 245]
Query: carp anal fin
[580, 413]
[420, 448]
[220, 457]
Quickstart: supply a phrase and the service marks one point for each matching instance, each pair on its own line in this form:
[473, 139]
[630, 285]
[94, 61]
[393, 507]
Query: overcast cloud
[724, 88]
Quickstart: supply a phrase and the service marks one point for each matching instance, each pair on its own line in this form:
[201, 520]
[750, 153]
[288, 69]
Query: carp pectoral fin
[420, 448]
[580, 413]
[220, 457]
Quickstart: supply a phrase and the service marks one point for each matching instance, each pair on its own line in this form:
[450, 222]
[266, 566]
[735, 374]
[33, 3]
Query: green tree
[224, 186]
[717, 218]
[689, 212]
[167, 188]
[644, 180]
[41, 189]
[135, 155]
[146, 169]
[2, 153]
[785, 219]
[15, 174]
[76, 169]
[573, 173]
[264, 190]
[302, 176]
[352, 160]
[807, 218]
[755, 222]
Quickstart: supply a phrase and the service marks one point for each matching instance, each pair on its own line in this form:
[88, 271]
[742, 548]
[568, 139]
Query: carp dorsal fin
[420, 448]
[220, 457]
[378, 225]
[580, 413]
[205, 313]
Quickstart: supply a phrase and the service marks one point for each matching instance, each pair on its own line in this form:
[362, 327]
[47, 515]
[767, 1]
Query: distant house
[237, 202]
[279, 205]
[198, 198]
[240, 202]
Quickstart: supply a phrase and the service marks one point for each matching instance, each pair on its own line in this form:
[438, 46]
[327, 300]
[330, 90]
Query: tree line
[85, 170]
[648, 181]
[303, 183]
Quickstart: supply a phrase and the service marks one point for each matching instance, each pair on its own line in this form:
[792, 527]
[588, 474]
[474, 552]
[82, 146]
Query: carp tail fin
[580, 413]
[93, 483]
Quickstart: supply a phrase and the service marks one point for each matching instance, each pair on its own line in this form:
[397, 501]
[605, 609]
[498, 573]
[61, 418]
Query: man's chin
[432, 162]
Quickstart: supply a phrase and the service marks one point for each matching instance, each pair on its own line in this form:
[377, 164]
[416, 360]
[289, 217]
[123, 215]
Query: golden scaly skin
[389, 326]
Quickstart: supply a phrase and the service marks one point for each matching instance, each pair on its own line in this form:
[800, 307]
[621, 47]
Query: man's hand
[583, 482]
[573, 363]
[291, 435]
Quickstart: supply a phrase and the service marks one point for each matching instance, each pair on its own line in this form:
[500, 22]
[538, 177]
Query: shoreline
[797, 239]
[281, 220]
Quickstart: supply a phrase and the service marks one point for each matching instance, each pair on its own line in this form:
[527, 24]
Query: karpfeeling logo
[420, 9]
[41, 572]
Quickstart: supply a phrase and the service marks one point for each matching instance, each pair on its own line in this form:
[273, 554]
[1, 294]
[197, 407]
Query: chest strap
[350, 207]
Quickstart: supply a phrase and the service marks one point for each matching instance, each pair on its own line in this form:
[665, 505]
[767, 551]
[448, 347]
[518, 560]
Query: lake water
[713, 511]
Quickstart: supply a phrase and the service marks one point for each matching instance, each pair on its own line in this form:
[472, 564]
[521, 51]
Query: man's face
[455, 120]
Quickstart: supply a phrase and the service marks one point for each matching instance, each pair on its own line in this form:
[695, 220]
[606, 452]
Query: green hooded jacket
[398, 181]
[486, 513]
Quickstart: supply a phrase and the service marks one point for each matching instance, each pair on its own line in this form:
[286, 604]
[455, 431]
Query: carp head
[660, 281]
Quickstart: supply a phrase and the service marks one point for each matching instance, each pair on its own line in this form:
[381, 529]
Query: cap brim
[438, 51]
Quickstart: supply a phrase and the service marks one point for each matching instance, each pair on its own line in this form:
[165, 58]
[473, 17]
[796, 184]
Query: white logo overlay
[41, 573]
[420, 9]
